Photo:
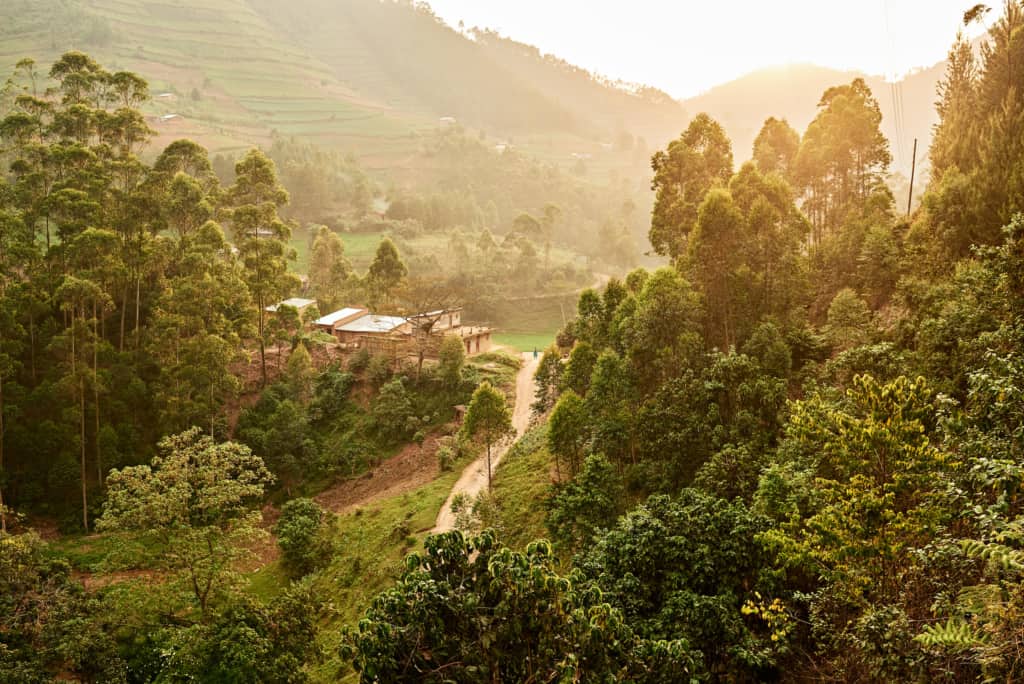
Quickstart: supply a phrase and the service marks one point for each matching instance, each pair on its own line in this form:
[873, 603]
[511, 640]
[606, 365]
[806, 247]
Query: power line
[913, 167]
[894, 89]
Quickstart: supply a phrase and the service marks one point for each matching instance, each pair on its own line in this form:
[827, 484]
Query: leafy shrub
[378, 370]
[445, 458]
[578, 509]
[330, 393]
[359, 361]
[392, 411]
[302, 534]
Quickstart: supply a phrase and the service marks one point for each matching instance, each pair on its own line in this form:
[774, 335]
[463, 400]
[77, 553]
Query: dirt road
[474, 477]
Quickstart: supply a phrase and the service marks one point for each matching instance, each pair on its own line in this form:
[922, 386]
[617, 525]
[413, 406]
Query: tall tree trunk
[96, 393]
[32, 343]
[81, 422]
[488, 464]
[261, 307]
[263, 346]
[124, 313]
[138, 299]
[85, 496]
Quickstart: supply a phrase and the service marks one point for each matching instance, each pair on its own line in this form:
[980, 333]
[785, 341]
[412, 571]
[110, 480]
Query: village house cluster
[356, 328]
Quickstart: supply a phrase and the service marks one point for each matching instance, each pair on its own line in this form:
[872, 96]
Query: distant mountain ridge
[792, 92]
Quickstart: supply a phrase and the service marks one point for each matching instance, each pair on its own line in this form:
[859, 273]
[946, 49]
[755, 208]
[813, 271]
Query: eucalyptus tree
[261, 237]
[330, 272]
[698, 160]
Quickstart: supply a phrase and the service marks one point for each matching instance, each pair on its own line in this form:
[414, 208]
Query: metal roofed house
[331, 322]
[376, 333]
[295, 302]
[375, 323]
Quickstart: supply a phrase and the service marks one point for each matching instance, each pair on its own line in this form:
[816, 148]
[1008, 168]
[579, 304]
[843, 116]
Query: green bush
[392, 412]
[359, 361]
[445, 458]
[330, 393]
[302, 534]
[378, 371]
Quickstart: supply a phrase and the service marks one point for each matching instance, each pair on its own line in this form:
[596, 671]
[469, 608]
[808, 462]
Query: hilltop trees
[198, 322]
[715, 256]
[843, 157]
[776, 147]
[694, 163]
[119, 272]
[975, 184]
[954, 143]
[329, 270]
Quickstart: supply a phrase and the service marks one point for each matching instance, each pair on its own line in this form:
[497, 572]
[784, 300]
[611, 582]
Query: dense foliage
[474, 611]
[798, 447]
[794, 452]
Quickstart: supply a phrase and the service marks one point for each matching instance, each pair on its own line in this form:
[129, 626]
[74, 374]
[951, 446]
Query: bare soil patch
[411, 468]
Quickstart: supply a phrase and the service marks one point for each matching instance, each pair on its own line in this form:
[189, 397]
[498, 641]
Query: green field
[525, 341]
[360, 248]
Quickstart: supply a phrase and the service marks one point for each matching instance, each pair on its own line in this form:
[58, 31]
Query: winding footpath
[474, 478]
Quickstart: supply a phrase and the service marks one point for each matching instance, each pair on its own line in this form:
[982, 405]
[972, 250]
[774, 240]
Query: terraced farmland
[220, 65]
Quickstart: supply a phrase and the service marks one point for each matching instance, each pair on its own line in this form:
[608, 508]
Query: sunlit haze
[685, 48]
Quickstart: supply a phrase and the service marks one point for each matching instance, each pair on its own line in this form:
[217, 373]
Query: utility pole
[913, 167]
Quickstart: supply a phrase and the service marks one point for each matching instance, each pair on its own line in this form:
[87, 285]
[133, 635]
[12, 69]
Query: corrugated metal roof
[372, 323]
[335, 316]
[297, 302]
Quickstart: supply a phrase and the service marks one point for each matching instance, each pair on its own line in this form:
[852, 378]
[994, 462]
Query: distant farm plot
[227, 67]
[525, 342]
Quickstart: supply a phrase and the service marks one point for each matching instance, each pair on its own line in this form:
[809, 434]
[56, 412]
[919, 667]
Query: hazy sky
[685, 47]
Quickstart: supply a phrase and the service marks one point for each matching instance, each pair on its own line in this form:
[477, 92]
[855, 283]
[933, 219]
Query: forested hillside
[792, 455]
[790, 450]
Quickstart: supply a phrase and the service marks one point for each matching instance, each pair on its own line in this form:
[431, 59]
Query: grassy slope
[521, 483]
[372, 544]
